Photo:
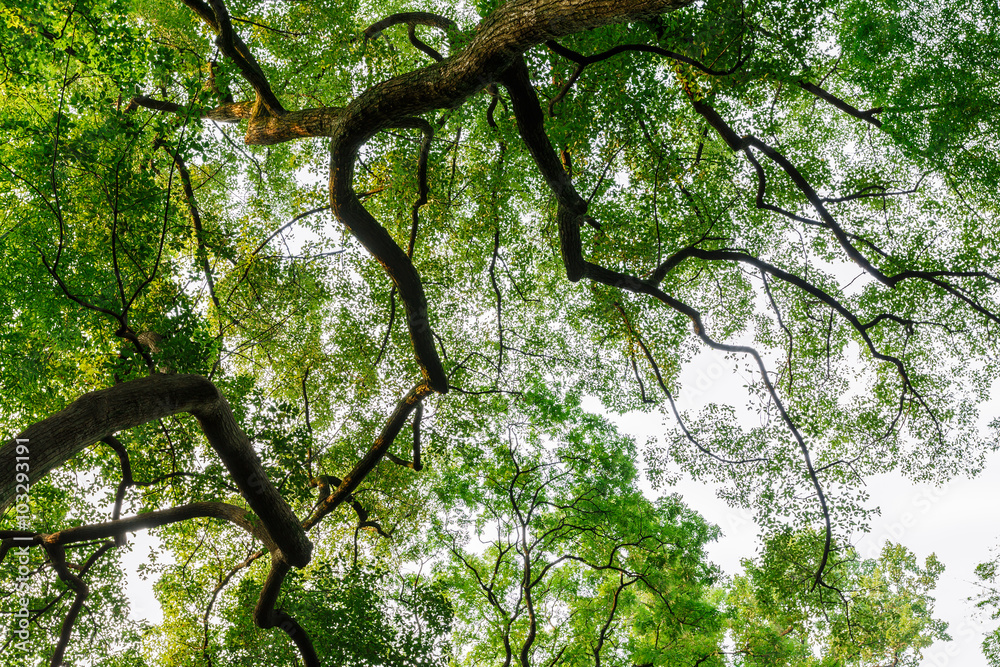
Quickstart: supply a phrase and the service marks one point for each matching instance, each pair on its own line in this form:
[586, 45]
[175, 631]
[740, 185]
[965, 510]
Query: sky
[956, 521]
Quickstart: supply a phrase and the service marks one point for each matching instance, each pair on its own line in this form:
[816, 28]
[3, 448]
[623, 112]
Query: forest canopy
[319, 293]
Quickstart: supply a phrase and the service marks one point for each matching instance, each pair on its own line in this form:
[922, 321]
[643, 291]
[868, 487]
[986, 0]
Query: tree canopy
[318, 292]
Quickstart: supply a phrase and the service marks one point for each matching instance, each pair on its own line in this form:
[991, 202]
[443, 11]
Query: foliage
[805, 188]
[989, 599]
[873, 611]
[360, 615]
[556, 556]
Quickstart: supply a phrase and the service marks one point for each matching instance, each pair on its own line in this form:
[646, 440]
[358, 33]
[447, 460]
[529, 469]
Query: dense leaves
[873, 611]
[358, 220]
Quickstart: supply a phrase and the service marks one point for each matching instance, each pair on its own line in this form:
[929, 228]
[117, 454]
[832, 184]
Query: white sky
[955, 521]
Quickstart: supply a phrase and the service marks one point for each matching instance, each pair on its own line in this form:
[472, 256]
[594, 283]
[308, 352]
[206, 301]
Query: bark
[100, 414]
[571, 206]
[410, 19]
[498, 41]
[95, 531]
[216, 16]
[267, 615]
[231, 112]
[348, 209]
[293, 125]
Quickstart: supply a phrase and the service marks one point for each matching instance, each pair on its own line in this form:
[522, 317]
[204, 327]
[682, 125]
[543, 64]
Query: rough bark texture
[103, 413]
[269, 130]
[499, 40]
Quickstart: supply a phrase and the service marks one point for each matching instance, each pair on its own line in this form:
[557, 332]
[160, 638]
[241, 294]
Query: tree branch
[99, 414]
[267, 615]
[867, 116]
[353, 479]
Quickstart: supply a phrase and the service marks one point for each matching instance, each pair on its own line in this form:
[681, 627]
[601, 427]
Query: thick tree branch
[237, 516]
[348, 209]
[261, 130]
[571, 207]
[498, 41]
[102, 413]
[231, 112]
[267, 615]
[410, 19]
[228, 40]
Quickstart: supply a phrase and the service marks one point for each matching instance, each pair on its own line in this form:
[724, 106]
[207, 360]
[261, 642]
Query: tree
[875, 612]
[555, 198]
[989, 599]
[578, 567]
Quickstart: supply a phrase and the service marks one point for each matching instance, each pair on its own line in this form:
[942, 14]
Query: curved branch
[829, 300]
[410, 19]
[420, 45]
[415, 464]
[237, 516]
[571, 207]
[228, 40]
[749, 142]
[99, 414]
[670, 397]
[348, 209]
[583, 60]
[266, 615]
[58, 557]
[530, 125]
[632, 284]
[127, 481]
[497, 43]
